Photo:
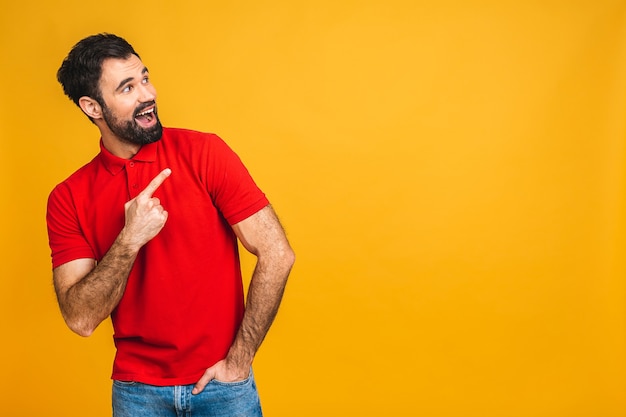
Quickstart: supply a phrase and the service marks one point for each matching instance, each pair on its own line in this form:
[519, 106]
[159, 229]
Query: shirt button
[132, 164]
[134, 185]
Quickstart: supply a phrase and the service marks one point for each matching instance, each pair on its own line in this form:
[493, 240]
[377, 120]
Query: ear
[90, 107]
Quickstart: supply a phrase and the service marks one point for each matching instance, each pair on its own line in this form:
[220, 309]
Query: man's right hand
[88, 291]
[145, 217]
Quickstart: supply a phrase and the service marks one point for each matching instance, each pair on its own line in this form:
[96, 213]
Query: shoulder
[181, 140]
[82, 177]
[187, 135]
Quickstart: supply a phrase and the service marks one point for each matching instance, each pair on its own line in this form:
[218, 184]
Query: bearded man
[146, 233]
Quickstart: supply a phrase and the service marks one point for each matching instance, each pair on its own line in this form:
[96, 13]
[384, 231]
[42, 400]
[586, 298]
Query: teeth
[145, 112]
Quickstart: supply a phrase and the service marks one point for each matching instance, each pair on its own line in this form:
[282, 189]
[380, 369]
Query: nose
[147, 93]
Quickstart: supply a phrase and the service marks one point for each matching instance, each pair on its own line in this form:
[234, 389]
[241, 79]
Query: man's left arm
[262, 235]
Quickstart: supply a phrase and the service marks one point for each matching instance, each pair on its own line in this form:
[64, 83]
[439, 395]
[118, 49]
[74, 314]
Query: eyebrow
[129, 79]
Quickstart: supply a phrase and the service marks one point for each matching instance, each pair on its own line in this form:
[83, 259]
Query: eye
[145, 80]
[127, 89]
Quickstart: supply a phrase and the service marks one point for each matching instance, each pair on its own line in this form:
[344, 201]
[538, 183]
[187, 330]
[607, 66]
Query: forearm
[262, 235]
[92, 299]
[87, 294]
[264, 296]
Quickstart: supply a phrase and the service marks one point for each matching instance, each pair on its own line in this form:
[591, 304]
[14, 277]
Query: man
[146, 233]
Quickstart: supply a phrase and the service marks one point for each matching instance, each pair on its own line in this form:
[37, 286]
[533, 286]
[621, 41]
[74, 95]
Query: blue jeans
[219, 399]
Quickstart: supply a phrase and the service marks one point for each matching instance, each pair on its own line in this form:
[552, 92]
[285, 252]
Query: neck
[117, 146]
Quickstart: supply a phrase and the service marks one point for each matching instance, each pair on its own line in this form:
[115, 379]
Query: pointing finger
[155, 183]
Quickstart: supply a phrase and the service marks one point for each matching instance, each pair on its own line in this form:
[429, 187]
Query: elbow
[279, 260]
[83, 332]
[79, 327]
[78, 320]
[288, 257]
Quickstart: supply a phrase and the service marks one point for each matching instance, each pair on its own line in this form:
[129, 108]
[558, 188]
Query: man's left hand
[223, 371]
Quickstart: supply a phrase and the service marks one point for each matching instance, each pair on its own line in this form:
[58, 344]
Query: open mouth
[146, 117]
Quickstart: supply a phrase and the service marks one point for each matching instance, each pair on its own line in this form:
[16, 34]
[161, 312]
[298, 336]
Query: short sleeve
[231, 186]
[67, 242]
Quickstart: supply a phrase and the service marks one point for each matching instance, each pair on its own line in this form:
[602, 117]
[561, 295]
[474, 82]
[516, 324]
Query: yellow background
[450, 173]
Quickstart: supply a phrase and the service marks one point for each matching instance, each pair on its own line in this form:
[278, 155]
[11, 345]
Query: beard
[129, 131]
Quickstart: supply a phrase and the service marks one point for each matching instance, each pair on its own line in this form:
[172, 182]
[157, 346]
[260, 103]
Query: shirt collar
[114, 164]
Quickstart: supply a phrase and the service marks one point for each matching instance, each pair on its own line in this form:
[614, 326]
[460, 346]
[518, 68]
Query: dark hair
[81, 70]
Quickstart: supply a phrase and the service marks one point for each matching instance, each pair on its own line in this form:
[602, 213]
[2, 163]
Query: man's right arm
[88, 292]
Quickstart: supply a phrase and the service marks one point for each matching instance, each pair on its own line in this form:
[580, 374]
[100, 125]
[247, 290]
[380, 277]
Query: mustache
[144, 106]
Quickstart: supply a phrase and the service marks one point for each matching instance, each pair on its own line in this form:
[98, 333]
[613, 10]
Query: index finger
[155, 183]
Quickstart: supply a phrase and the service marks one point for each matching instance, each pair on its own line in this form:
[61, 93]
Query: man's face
[128, 101]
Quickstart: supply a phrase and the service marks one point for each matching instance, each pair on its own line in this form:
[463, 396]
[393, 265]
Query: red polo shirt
[183, 302]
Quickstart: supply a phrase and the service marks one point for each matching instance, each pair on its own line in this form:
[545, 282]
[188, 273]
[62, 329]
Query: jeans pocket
[230, 384]
[123, 383]
[248, 379]
[236, 398]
